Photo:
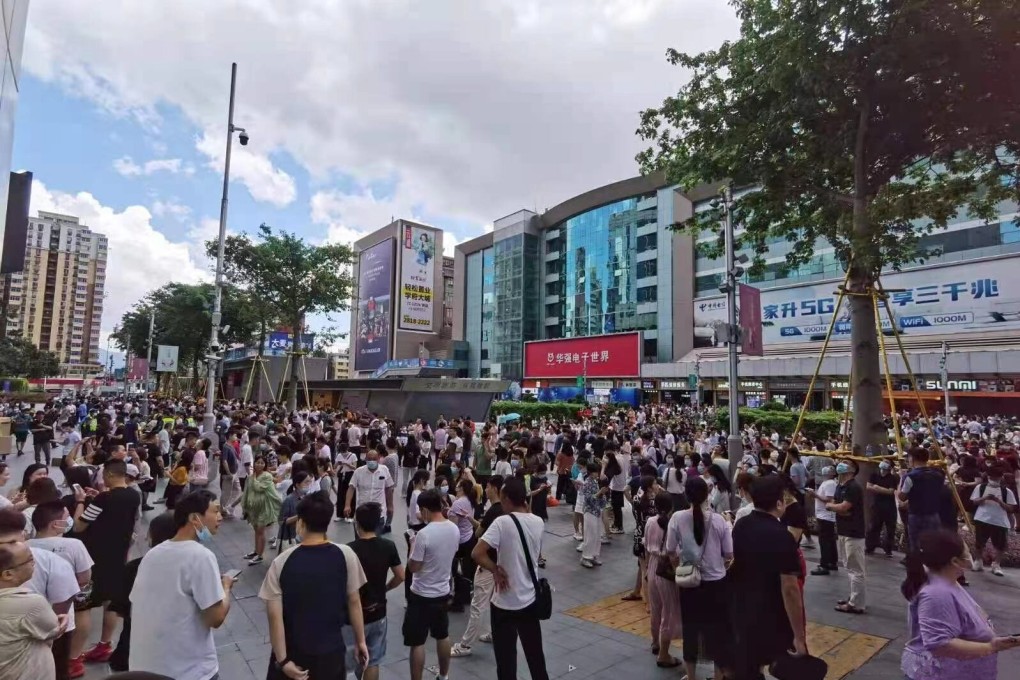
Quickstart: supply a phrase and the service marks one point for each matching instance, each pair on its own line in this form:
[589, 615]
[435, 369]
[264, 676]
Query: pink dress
[663, 595]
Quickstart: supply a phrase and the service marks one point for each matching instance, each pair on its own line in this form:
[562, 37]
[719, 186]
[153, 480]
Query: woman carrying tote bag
[699, 544]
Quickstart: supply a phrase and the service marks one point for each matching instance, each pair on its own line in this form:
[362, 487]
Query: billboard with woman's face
[417, 279]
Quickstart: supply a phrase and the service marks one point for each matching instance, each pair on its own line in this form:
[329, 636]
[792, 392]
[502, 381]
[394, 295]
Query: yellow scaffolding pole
[888, 373]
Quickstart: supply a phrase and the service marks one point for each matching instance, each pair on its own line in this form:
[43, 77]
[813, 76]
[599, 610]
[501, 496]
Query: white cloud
[264, 181]
[127, 167]
[481, 107]
[140, 258]
[171, 208]
[349, 216]
[450, 243]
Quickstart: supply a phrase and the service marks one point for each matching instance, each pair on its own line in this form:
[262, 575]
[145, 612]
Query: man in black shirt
[107, 525]
[768, 604]
[484, 583]
[848, 504]
[378, 557]
[883, 509]
[311, 592]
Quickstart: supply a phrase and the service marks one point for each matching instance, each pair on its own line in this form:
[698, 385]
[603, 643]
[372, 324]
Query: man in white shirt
[179, 597]
[430, 560]
[354, 434]
[441, 438]
[512, 613]
[373, 484]
[993, 503]
[827, 544]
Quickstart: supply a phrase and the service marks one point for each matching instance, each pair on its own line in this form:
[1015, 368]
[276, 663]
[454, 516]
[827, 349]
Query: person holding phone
[950, 634]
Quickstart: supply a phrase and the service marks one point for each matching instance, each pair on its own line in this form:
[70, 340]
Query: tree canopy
[20, 358]
[863, 124]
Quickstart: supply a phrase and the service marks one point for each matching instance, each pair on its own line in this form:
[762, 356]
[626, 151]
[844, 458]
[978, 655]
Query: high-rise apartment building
[57, 301]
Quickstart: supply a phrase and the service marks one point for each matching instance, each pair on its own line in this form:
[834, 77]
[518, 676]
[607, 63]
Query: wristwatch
[280, 664]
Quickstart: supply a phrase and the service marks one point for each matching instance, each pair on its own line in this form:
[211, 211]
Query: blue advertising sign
[280, 342]
[413, 363]
[970, 298]
[375, 306]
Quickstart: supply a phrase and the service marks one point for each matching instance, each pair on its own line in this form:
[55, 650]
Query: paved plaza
[592, 634]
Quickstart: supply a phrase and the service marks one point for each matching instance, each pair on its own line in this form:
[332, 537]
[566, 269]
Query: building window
[647, 294]
[647, 242]
[647, 268]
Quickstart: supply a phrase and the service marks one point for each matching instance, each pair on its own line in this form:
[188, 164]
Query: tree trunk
[295, 358]
[868, 426]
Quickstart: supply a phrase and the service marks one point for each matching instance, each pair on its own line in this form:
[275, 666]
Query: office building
[341, 364]
[402, 315]
[57, 301]
[15, 19]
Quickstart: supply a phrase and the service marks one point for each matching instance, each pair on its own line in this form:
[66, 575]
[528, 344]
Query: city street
[576, 646]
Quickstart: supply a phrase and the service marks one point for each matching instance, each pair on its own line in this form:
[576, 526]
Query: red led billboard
[617, 355]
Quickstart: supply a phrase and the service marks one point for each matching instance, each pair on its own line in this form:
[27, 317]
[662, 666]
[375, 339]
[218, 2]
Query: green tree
[863, 124]
[183, 318]
[20, 358]
[292, 278]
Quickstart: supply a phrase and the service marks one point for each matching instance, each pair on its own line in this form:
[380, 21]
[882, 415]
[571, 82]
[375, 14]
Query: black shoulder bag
[543, 592]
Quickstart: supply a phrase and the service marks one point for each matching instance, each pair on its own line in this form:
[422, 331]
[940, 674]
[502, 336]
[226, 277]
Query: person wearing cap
[882, 486]
[848, 504]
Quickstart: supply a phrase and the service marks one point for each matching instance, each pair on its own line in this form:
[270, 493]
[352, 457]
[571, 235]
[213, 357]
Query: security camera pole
[212, 359]
[734, 445]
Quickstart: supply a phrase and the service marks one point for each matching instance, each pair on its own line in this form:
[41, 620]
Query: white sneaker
[976, 565]
[349, 520]
[486, 637]
[587, 564]
[460, 650]
[578, 537]
[596, 561]
[605, 541]
[997, 570]
[338, 519]
[580, 547]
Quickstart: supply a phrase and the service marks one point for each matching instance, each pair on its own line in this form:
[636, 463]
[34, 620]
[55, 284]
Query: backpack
[1002, 492]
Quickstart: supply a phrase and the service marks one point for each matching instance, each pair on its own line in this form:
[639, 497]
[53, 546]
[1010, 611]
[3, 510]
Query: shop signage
[602, 384]
[954, 385]
[648, 384]
[839, 384]
[745, 385]
[789, 385]
[630, 384]
[617, 355]
[674, 385]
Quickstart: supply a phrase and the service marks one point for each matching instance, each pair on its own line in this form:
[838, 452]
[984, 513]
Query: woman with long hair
[179, 476]
[663, 593]
[700, 536]
[260, 502]
[462, 513]
[675, 477]
[950, 634]
[720, 489]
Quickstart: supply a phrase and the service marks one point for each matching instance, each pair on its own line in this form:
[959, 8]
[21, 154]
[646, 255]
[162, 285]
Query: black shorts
[108, 584]
[984, 531]
[425, 616]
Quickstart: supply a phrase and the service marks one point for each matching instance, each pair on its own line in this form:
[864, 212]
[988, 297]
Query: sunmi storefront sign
[953, 385]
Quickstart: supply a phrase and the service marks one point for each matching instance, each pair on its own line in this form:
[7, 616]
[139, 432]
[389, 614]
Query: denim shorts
[375, 639]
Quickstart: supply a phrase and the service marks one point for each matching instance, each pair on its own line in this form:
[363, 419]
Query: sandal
[672, 663]
[655, 650]
[541, 563]
[849, 609]
[631, 598]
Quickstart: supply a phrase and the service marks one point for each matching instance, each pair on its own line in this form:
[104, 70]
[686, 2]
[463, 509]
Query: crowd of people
[719, 556]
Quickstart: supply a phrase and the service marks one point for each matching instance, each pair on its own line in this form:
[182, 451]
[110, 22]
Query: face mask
[68, 524]
[701, 469]
[444, 489]
[454, 469]
[994, 482]
[204, 535]
[842, 469]
[372, 465]
[515, 464]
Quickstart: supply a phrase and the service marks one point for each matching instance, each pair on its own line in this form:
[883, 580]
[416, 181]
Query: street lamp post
[734, 444]
[209, 420]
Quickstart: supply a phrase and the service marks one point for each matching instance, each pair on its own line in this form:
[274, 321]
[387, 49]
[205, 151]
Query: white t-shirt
[619, 482]
[827, 489]
[54, 579]
[502, 535]
[71, 549]
[176, 581]
[434, 546]
[413, 513]
[991, 512]
[348, 461]
[246, 457]
[370, 486]
[354, 437]
[503, 468]
[672, 485]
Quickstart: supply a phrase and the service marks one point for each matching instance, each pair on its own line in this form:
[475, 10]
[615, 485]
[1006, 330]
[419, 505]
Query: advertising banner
[958, 299]
[280, 342]
[139, 369]
[617, 355]
[417, 278]
[375, 311]
[749, 318]
[166, 358]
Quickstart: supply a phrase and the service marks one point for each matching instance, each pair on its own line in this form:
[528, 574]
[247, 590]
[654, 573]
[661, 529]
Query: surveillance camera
[243, 138]
[214, 349]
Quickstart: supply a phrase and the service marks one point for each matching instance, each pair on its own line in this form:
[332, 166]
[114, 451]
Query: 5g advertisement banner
[375, 299]
[968, 298]
[417, 279]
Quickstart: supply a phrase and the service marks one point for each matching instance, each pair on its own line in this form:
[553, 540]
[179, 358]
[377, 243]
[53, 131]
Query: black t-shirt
[494, 511]
[763, 552]
[889, 481]
[851, 523]
[313, 587]
[111, 518]
[377, 556]
[795, 517]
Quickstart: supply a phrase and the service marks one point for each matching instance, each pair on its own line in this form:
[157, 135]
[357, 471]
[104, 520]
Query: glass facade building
[15, 19]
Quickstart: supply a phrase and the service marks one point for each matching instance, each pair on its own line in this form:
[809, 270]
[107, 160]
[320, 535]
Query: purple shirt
[460, 512]
[718, 543]
[942, 611]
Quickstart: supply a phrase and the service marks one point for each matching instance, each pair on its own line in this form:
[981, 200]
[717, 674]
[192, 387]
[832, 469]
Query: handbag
[807, 667]
[543, 591]
[688, 574]
[664, 568]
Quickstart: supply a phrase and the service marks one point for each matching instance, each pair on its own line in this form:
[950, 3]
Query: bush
[37, 397]
[557, 410]
[774, 405]
[17, 385]
[817, 424]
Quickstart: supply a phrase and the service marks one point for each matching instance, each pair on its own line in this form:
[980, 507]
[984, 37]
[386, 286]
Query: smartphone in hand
[233, 574]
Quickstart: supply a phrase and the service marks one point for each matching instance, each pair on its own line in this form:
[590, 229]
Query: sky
[450, 112]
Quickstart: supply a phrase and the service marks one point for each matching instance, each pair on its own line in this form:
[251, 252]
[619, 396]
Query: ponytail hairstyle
[468, 487]
[663, 509]
[935, 551]
[697, 493]
[419, 477]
